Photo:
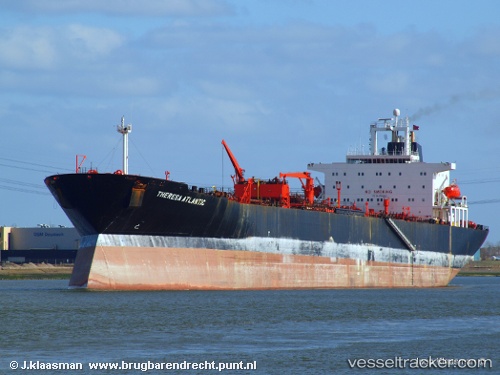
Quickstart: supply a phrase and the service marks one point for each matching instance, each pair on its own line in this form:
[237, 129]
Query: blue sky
[285, 83]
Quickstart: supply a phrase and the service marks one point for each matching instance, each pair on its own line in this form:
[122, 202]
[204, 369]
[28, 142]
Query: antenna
[124, 130]
[396, 113]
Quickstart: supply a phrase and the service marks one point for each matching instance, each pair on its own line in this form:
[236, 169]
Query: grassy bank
[34, 271]
[481, 268]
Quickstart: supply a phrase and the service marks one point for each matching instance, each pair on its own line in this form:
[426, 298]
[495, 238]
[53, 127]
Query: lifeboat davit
[452, 191]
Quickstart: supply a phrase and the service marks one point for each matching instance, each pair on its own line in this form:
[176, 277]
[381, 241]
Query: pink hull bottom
[153, 268]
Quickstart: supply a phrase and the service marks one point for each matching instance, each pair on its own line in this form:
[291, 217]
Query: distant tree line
[489, 250]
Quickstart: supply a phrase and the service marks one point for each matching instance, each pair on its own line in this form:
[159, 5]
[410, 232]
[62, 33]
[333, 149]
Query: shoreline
[481, 268]
[31, 271]
[43, 271]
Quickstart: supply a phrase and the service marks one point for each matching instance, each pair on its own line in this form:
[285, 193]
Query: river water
[45, 324]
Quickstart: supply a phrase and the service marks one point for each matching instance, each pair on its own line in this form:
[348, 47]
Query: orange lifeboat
[452, 191]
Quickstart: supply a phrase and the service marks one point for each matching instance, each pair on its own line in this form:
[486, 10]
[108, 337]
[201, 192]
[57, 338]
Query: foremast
[124, 130]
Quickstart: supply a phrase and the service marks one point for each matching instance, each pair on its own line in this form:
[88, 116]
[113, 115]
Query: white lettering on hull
[181, 198]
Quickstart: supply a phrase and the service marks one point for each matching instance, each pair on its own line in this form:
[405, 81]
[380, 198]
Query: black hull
[141, 206]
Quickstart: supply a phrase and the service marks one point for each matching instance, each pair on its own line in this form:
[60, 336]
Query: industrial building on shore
[44, 243]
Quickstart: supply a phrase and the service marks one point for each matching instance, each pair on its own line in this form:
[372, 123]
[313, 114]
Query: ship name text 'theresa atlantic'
[181, 198]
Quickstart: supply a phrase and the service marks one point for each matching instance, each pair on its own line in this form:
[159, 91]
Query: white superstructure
[394, 175]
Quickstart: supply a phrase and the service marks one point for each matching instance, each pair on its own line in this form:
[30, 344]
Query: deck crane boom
[237, 169]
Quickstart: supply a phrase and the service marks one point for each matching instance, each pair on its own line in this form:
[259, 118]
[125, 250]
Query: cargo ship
[382, 219]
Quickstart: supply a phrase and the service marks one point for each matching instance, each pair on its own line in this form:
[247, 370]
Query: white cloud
[49, 48]
[25, 47]
[92, 42]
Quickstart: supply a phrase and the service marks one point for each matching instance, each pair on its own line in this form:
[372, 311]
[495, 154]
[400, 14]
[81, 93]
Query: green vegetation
[481, 268]
[35, 276]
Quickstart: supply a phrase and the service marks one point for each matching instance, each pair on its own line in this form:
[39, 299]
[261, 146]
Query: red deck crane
[238, 177]
[308, 186]
[275, 191]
